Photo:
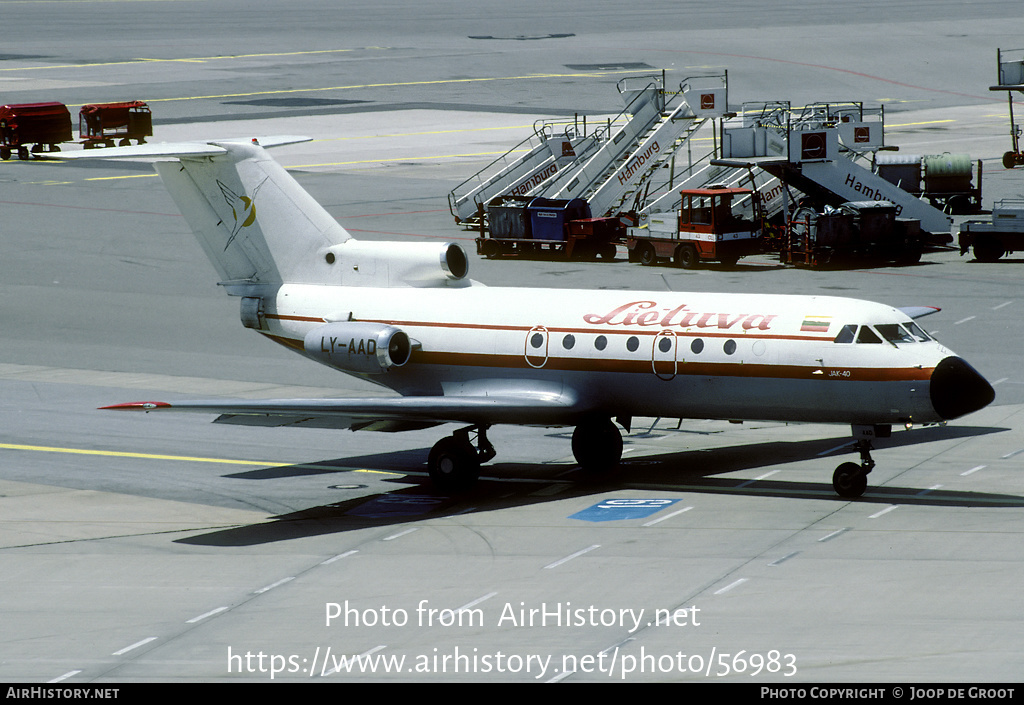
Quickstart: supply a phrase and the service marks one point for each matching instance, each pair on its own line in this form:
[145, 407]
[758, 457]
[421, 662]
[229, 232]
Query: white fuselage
[679, 355]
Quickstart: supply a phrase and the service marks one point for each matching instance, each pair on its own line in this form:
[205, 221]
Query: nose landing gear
[850, 480]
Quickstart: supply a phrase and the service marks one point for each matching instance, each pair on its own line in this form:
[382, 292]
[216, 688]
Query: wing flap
[387, 414]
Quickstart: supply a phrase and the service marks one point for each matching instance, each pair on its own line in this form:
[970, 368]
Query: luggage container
[42, 125]
[556, 226]
[855, 232]
[101, 124]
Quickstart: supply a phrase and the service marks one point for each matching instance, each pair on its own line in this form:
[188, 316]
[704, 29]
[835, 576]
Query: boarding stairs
[815, 149]
[642, 146]
[551, 147]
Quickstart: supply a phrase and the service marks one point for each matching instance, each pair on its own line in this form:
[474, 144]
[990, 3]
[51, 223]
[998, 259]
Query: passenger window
[867, 335]
[846, 335]
[895, 333]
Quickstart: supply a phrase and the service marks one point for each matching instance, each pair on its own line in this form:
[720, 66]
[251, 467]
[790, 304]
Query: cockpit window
[917, 331]
[846, 335]
[895, 333]
[866, 335]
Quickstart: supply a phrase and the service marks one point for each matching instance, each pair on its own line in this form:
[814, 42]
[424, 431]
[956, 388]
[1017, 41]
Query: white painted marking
[973, 470]
[964, 320]
[930, 489]
[477, 601]
[756, 479]
[400, 534]
[884, 511]
[1010, 455]
[133, 646]
[338, 557]
[779, 561]
[1002, 305]
[731, 585]
[568, 558]
[205, 615]
[1000, 381]
[668, 516]
[279, 583]
[67, 675]
[830, 451]
[835, 533]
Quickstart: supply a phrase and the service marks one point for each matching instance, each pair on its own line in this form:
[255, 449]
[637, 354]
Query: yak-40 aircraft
[405, 315]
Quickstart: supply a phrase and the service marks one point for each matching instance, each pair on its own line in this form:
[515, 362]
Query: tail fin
[253, 220]
[260, 229]
[256, 224]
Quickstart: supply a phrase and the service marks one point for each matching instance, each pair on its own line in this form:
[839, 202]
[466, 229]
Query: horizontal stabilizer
[175, 150]
[919, 311]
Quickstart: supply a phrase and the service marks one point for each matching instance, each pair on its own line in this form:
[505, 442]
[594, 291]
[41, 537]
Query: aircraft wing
[382, 414]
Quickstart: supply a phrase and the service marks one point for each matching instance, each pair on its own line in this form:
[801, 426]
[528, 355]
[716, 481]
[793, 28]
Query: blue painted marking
[398, 505]
[613, 509]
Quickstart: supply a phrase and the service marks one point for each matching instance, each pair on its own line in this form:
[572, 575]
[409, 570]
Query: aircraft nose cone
[958, 389]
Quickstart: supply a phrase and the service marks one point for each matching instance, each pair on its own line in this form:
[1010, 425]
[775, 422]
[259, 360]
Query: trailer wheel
[490, 249]
[686, 257]
[607, 251]
[647, 255]
[1009, 160]
[988, 251]
[5, 154]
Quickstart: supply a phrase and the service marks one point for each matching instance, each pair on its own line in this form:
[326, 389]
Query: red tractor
[714, 223]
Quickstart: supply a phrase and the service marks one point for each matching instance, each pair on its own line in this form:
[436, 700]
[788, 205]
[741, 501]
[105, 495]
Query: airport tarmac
[167, 548]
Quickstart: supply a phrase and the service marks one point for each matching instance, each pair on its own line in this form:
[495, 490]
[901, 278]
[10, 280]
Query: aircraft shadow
[677, 471]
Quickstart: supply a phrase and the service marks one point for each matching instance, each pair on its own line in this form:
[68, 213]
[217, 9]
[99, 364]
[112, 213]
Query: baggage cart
[32, 128]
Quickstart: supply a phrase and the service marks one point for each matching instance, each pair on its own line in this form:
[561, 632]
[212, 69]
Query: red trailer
[42, 125]
[100, 124]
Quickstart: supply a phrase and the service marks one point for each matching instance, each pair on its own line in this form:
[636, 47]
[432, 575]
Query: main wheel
[647, 255]
[597, 446]
[453, 464]
[988, 250]
[686, 257]
[490, 248]
[849, 480]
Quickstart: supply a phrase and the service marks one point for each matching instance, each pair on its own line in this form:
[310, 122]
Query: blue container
[548, 217]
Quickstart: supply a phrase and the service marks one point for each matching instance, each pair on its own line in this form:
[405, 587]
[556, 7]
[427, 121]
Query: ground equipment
[100, 124]
[42, 125]
[944, 180]
[1010, 71]
[1001, 234]
[854, 232]
[712, 223]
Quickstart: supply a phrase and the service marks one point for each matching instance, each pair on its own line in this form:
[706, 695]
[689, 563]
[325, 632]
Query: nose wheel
[850, 480]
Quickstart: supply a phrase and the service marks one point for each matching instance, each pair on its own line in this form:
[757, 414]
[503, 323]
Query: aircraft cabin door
[536, 350]
[663, 355]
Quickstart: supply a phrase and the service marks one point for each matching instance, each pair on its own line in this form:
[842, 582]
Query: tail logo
[243, 208]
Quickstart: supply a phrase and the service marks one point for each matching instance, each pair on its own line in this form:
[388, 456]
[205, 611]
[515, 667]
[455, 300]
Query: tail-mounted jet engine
[365, 348]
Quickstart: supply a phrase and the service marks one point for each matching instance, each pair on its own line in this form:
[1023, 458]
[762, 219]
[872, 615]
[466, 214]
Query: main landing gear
[454, 462]
[597, 446]
[850, 480]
